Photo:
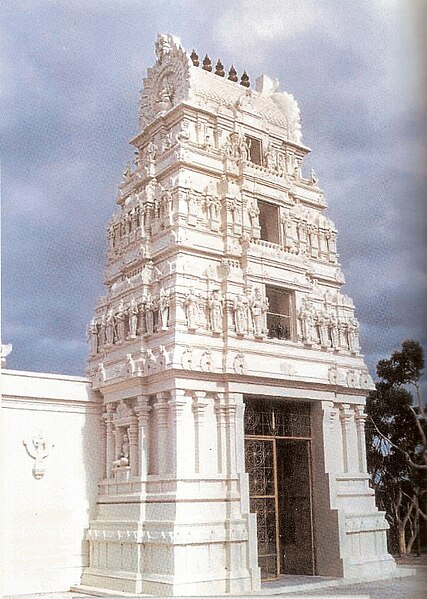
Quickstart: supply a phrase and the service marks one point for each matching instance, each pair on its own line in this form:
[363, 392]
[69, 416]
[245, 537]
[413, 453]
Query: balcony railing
[278, 325]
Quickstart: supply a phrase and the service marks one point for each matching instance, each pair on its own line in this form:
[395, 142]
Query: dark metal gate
[277, 454]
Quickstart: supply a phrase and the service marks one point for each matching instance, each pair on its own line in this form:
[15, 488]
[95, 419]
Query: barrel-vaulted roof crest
[178, 77]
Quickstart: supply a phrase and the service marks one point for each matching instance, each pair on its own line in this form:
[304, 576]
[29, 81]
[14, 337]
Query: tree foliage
[397, 443]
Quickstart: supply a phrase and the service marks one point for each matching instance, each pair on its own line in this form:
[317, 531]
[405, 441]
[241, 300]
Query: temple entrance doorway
[278, 462]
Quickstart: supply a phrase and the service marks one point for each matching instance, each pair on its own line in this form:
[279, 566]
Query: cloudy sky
[71, 74]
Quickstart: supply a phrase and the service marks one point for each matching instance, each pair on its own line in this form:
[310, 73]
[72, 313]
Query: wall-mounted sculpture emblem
[38, 448]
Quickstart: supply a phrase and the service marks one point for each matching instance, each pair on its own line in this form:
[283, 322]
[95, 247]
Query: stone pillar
[109, 439]
[180, 454]
[221, 433]
[142, 411]
[133, 447]
[345, 418]
[161, 411]
[230, 416]
[199, 406]
[332, 457]
[360, 417]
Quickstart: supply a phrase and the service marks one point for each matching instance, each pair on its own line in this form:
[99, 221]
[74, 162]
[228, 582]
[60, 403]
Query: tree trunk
[401, 539]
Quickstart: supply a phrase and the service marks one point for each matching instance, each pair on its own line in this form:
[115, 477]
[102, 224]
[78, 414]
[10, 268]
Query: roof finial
[219, 69]
[207, 64]
[245, 80]
[194, 58]
[232, 74]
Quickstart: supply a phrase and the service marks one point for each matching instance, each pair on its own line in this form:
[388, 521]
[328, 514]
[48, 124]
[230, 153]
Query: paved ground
[410, 587]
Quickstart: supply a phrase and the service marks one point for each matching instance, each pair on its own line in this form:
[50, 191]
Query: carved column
[109, 439]
[332, 457]
[133, 447]
[161, 411]
[360, 418]
[142, 411]
[179, 456]
[199, 406]
[230, 418]
[221, 432]
[345, 418]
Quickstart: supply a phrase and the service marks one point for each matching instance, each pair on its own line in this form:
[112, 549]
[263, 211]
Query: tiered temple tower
[226, 355]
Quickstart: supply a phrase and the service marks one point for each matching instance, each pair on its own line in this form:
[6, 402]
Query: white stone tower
[226, 356]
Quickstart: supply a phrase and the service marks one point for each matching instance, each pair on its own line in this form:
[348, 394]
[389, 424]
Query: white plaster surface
[45, 518]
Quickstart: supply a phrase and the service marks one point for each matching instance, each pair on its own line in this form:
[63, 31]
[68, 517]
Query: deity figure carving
[38, 448]
[281, 164]
[166, 141]
[101, 332]
[240, 308]
[313, 178]
[149, 306]
[322, 326]
[166, 93]
[243, 148]
[133, 318]
[331, 238]
[259, 308]
[215, 311]
[253, 212]
[306, 317]
[127, 172]
[270, 158]
[166, 207]
[353, 335]
[342, 337]
[122, 457]
[164, 357]
[120, 322]
[192, 309]
[184, 133]
[333, 331]
[110, 327]
[162, 46]
[206, 361]
[229, 147]
[110, 237]
[164, 302]
[302, 235]
[130, 365]
[192, 201]
[239, 364]
[235, 211]
[92, 335]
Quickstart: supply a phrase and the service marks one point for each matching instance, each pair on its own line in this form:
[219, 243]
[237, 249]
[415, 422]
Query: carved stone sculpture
[259, 307]
[253, 212]
[149, 315]
[133, 318]
[93, 336]
[333, 331]
[120, 322]
[240, 308]
[122, 457]
[164, 303]
[38, 447]
[192, 310]
[110, 326]
[215, 311]
[306, 317]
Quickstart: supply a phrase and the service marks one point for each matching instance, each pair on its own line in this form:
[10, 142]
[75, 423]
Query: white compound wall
[45, 518]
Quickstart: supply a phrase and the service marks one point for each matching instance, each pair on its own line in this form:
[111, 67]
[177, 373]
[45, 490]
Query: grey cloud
[72, 79]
